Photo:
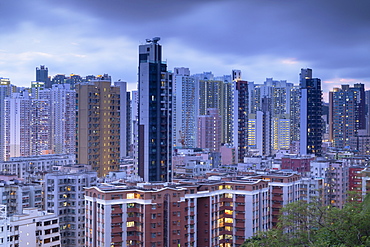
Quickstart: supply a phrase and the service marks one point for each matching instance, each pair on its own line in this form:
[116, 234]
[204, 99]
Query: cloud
[262, 38]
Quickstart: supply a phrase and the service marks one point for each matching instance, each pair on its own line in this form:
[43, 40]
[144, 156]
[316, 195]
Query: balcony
[116, 220]
[116, 229]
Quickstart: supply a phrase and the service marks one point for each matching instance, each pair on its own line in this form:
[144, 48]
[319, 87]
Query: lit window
[130, 223]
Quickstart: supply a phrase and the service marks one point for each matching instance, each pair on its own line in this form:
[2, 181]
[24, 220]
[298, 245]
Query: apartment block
[98, 125]
[64, 196]
[284, 188]
[34, 228]
[18, 196]
[209, 213]
[33, 168]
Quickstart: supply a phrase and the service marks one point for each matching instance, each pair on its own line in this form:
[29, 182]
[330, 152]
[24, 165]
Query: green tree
[312, 224]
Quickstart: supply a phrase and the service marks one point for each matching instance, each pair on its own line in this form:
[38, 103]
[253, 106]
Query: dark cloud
[332, 37]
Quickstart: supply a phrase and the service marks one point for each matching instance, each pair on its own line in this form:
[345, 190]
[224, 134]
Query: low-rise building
[64, 196]
[34, 228]
[208, 213]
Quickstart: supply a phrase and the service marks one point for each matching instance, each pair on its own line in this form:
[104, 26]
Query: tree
[313, 224]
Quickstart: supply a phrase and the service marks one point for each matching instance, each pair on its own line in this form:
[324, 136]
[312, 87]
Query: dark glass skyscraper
[241, 93]
[155, 114]
[311, 127]
[42, 74]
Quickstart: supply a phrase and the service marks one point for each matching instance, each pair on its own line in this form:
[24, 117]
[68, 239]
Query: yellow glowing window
[221, 237]
[228, 211]
[220, 187]
[227, 236]
[228, 195]
[228, 228]
[133, 195]
[228, 187]
[229, 220]
[130, 223]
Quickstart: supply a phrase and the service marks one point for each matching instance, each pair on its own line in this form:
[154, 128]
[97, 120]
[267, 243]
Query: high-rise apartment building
[259, 133]
[210, 92]
[295, 99]
[98, 125]
[227, 110]
[17, 132]
[209, 130]
[280, 132]
[218, 92]
[185, 112]
[278, 99]
[155, 114]
[41, 122]
[64, 196]
[124, 118]
[5, 91]
[346, 114]
[311, 127]
[42, 75]
[63, 119]
[241, 119]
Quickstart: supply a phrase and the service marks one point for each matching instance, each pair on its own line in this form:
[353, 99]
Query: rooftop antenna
[154, 40]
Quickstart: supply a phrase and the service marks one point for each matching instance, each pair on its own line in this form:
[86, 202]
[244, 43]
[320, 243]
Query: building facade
[209, 130]
[155, 114]
[214, 213]
[64, 196]
[186, 109]
[98, 125]
[311, 127]
[346, 114]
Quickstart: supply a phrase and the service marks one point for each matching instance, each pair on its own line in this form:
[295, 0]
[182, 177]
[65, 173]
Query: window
[130, 223]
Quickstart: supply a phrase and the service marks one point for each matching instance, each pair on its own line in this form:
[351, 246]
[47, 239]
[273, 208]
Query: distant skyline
[261, 38]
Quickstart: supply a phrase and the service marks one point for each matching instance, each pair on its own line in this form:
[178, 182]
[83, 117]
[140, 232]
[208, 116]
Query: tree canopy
[313, 224]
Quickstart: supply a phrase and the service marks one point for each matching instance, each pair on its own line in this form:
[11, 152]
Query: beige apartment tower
[98, 125]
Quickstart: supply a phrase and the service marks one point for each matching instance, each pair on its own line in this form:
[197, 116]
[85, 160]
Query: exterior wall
[284, 189]
[185, 109]
[34, 167]
[124, 121]
[34, 228]
[298, 164]
[63, 120]
[205, 214]
[98, 123]
[64, 196]
[241, 119]
[209, 130]
[29, 128]
[311, 128]
[347, 114]
[155, 114]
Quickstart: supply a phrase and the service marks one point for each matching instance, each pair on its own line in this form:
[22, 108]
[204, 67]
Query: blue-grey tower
[311, 124]
[155, 114]
[42, 74]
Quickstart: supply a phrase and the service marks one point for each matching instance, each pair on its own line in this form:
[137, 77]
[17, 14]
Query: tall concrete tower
[311, 127]
[98, 125]
[155, 114]
[42, 74]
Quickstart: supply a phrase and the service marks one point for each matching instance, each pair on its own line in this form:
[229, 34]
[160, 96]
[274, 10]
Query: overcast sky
[262, 38]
